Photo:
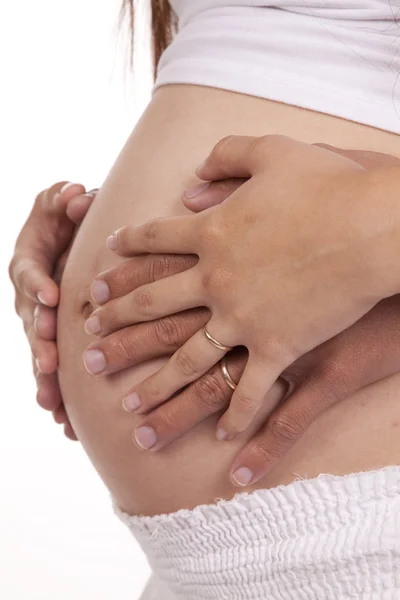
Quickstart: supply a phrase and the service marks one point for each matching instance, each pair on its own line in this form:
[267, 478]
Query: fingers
[45, 322]
[189, 363]
[159, 299]
[60, 416]
[48, 395]
[203, 398]
[242, 156]
[286, 425]
[32, 279]
[138, 271]
[70, 433]
[163, 236]
[78, 206]
[56, 198]
[205, 196]
[134, 345]
[46, 356]
[249, 398]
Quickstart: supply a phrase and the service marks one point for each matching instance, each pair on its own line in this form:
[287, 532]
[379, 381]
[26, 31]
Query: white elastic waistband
[318, 539]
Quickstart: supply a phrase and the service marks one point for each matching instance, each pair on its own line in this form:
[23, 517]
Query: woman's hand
[42, 243]
[285, 264]
[326, 375]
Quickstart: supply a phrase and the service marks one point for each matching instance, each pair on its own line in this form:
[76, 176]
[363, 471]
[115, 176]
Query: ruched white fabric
[331, 56]
[329, 538]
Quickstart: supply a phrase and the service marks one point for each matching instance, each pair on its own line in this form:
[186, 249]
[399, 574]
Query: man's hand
[320, 378]
[44, 239]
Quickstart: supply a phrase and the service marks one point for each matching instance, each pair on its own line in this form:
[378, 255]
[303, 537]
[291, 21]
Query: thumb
[207, 195]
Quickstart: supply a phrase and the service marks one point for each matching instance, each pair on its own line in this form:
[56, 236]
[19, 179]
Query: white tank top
[332, 56]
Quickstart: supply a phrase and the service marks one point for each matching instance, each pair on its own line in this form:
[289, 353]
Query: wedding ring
[225, 374]
[215, 342]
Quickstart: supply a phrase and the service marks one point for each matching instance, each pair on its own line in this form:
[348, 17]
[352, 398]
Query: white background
[66, 108]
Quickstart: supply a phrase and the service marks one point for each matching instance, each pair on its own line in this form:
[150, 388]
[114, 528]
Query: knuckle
[219, 148]
[143, 300]
[210, 281]
[265, 142]
[12, 269]
[186, 363]
[265, 451]
[161, 266]
[121, 346]
[211, 392]
[168, 333]
[284, 428]
[246, 404]
[152, 392]
[121, 278]
[166, 419]
[212, 232]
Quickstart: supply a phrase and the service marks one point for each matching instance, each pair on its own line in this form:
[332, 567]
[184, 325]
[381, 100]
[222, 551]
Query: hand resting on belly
[322, 377]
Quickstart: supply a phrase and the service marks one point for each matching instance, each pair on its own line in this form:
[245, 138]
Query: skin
[340, 287]
[305, 378]
[35, 270]
[316, 381]
[177, 130]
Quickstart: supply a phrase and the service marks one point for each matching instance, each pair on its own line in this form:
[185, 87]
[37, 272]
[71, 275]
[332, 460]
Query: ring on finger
[226, 375]
[215, 342]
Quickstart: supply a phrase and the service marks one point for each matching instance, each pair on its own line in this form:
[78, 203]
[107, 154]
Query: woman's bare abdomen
[175, 134]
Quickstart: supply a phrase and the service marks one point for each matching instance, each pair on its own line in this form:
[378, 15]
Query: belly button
[87, 310]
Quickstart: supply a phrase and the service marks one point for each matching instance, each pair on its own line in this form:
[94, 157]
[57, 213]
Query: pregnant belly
[175, 134]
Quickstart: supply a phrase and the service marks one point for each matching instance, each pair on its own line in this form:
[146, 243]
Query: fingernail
[36, 312]
[112, 241]
[37, 364]
[94, 362]
[100, 291]
[131, 402]
[66, 186]
[93, 192]
[242, 476]
[145, 437]
[40, 297]
[192, 192]
[221, 434]
[92, 326]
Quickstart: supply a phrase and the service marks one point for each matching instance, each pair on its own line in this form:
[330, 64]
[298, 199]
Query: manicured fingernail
[92, 326]
[94, 361]
[242, 476]
[100, 291]
[196, 190]
[41, 298]
[145, 437]
[112, 241]
[131, 402]
[221, 434]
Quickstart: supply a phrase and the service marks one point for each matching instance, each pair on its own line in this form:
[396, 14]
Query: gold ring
[225, 374]
[215, 342]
